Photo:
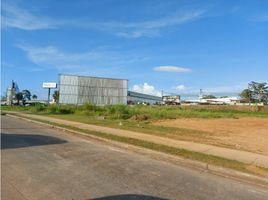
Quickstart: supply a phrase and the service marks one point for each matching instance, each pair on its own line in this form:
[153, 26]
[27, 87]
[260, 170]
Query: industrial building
[11, 92]
[100, 91]
[139, 98]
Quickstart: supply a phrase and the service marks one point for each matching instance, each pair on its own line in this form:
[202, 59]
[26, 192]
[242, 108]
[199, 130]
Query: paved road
[42, 163]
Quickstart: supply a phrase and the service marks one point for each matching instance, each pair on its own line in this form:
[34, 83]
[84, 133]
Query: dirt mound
[139, 117]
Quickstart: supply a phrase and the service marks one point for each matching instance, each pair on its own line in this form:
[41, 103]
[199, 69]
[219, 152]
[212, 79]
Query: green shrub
[121, 111]
[118, 111]
[66, 109]
[53, 108]
[38, 108]
[90, 107]
[110, 110]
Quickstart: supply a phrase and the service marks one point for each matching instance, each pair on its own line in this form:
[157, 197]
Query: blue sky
[177, 46]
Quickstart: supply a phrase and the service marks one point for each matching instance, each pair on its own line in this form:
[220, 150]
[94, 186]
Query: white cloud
[15, 17]
[171, 69]
[50, 56]
[146, 89]
[99, 60]
[180, 87]
[148, 28]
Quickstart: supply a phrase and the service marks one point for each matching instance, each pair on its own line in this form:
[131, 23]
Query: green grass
[210, 159]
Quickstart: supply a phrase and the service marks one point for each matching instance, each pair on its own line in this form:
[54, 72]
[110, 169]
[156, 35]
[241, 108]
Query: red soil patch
[247, 133]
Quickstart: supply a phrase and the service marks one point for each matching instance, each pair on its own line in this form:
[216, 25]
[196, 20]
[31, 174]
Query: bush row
[146, 112]
[125, 112]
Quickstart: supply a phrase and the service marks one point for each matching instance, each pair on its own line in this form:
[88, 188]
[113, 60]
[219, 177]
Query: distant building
[224, 100]
[171, 100]
[214, 101]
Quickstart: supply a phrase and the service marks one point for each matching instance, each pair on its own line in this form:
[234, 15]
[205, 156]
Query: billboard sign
[49, 85]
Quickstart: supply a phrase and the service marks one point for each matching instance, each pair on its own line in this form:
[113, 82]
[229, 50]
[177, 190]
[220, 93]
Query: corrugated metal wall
[99, 91]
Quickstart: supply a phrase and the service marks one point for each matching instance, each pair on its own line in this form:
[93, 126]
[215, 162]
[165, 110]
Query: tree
[246, 94]
[259, 91]
[26, 94]
[56, 96]
[19, 97]
[34, 96]
[209, 97]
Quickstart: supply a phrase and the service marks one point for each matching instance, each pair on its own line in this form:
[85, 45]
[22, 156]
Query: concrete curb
[197, 165]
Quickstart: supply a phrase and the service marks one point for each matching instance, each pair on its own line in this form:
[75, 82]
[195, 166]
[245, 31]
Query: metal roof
[92, 77]
[145, 96]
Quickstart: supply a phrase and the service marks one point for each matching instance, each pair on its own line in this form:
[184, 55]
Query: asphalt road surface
[43, 163]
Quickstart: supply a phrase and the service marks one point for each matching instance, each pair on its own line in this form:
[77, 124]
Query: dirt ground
[247, 133]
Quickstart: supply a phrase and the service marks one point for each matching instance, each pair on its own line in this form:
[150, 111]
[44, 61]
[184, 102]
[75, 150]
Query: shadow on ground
[12, 141]
[129, 197]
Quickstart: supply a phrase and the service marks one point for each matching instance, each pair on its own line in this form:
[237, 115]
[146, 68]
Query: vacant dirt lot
[245, 133]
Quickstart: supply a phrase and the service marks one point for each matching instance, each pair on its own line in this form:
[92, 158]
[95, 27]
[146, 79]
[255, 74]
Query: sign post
[48, 96]
[49, 86]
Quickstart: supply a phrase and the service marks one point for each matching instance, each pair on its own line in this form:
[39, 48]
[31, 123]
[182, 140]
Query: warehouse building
[99, 91]
[139, 98]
